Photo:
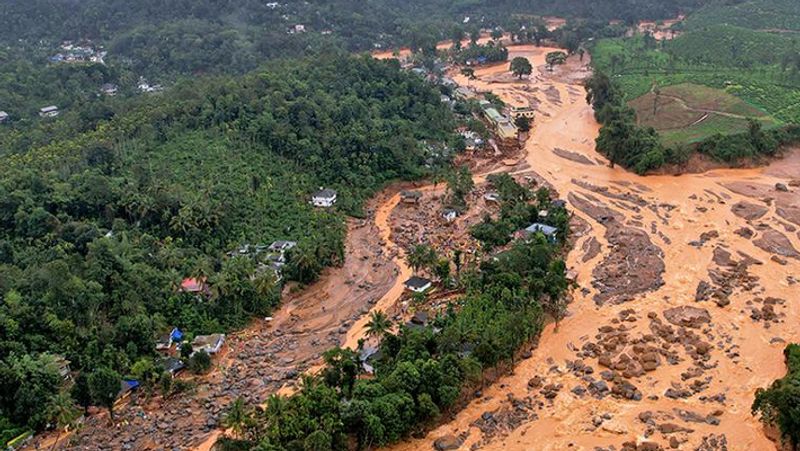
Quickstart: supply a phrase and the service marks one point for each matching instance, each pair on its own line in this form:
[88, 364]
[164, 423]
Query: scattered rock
[447, 442]
[687, 316]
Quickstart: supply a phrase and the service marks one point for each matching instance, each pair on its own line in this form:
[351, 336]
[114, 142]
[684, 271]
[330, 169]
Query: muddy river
[687, 295]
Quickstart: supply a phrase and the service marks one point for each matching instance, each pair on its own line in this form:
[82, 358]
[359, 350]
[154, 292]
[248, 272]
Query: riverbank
[618, 370]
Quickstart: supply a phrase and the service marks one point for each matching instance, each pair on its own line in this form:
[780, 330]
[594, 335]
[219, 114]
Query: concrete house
[418, 321]
[368, 356]
[49, 111]
[211, 344]
[464, 93]
[492, 197]
[549, 232]
[3, 116]
[418, 284]
[502, 124]
[63, 367]
[173, 365]
[522, 111]
[166, 341]
[109, 89]
[324, 198]
[450, 215]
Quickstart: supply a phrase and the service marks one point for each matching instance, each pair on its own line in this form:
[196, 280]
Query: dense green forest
[98, 229]
[165, 41]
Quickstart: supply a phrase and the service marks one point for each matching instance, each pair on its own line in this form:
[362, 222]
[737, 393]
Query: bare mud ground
[688, 294]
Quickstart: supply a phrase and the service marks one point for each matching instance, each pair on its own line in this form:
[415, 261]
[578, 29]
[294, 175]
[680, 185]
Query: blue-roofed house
[126, 386]
[167, 340]
[550, 232]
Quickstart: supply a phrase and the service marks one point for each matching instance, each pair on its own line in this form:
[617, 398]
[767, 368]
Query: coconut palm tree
[378, 324]
[62, 411]
[237, 418]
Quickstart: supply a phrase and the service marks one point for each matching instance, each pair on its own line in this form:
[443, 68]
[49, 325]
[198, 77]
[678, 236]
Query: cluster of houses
[472, 140]
[169, 345]
[268, 258]
[50, 111]
[73, 53]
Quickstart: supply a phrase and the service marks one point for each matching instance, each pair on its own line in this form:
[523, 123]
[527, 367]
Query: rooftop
[417, 282]
[193, 284]
[544, 228]
[326, 193]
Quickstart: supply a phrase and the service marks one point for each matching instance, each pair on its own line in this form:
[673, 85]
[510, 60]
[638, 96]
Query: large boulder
[687, 316]
[447, 442]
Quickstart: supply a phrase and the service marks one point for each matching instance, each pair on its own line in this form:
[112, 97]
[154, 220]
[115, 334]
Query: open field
[687, 113]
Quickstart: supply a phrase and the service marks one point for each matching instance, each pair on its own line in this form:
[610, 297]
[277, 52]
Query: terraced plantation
[725, 65]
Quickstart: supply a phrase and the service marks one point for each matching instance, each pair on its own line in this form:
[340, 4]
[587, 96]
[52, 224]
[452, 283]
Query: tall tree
[237, 418]
[521, 66]
[378, 324]
[104, 384]
[62, 411]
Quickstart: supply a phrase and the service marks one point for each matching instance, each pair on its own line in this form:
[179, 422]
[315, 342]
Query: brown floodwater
[673, 211]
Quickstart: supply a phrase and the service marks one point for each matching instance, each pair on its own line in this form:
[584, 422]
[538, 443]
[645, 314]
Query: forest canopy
[98, 230]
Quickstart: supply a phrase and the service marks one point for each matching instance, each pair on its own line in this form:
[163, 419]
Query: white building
[3, 116]
[324, 198]
[211, 344]
[49, 111]
[449, 215]
[417, 284]
[109, 89]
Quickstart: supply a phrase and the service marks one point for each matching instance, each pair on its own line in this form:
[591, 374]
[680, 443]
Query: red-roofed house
[195, 285]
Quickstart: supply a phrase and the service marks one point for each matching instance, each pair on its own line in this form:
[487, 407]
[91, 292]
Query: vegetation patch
[780, 403]
[688, 113]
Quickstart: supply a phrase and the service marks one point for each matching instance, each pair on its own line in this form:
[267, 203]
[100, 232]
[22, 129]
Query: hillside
[754, 71]
[688, 113]
[98, 230]
[779, 15]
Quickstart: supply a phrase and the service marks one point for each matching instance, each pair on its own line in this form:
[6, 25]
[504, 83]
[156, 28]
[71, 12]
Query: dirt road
[688, 293]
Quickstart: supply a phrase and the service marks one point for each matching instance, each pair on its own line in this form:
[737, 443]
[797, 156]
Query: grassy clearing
[688, 113]
[712, 125]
